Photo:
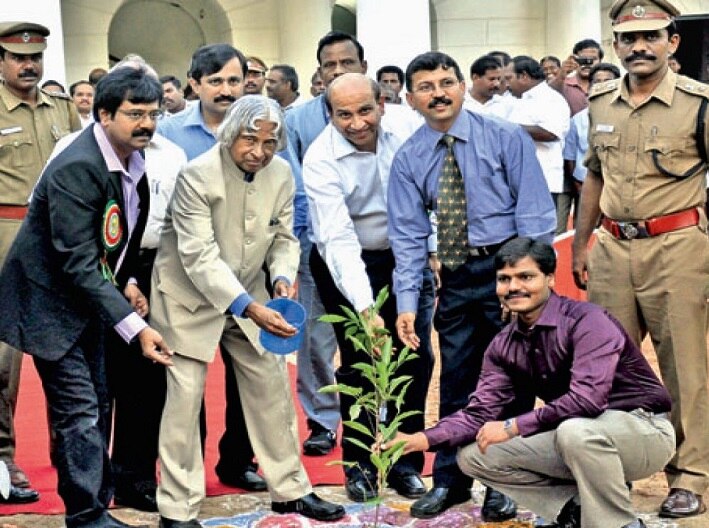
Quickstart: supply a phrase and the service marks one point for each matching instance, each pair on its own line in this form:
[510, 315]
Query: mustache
[512, 295]
[27, 74]
[639, 56]
[143, 132]
[221, 98]
[440, 100]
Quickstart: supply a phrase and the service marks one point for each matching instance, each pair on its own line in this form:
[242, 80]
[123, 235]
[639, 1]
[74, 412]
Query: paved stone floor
[647, 496]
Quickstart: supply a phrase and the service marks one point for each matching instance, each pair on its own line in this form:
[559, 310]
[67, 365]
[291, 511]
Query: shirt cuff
[132, 280]
[435, 436]
[407, 302]
[281, 278]
[238, 307]
[527, 423]
[130, 327]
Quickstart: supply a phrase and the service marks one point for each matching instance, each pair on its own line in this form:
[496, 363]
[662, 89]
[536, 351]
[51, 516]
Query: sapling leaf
[359, 427]
[332, 318]
[358, 443]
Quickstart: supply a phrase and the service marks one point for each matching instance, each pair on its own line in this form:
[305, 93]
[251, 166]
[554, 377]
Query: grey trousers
[316, 356]
[589, 457]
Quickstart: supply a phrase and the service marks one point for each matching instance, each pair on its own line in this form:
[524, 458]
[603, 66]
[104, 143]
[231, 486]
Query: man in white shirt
[345, 174]
[544, 114]
[484, 94]
[282, 85]
[82, 93]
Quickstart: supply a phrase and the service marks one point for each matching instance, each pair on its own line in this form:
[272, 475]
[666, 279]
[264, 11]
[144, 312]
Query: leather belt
[652, 227]
[13, 212]
[485, 251]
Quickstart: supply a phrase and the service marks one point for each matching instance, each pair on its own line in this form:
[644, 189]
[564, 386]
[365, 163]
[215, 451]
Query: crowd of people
[145, 224]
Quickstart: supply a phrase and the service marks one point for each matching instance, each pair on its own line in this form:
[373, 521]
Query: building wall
[288, 30]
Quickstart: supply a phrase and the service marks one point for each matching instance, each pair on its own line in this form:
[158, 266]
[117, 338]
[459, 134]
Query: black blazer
[52, 284]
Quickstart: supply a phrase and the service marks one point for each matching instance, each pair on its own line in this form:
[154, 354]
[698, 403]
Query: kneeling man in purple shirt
[604, 419]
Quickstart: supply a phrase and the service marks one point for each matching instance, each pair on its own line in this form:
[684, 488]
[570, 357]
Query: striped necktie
[452, 211]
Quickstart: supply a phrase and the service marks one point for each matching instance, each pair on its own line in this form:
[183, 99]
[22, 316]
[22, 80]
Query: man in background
[82, 93]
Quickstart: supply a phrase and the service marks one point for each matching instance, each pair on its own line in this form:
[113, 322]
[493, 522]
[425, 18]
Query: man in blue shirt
[337, 53]
[505, 196]
[217, 77]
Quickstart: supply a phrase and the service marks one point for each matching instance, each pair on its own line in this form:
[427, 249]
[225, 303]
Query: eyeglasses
[430, 87]
[138, 115]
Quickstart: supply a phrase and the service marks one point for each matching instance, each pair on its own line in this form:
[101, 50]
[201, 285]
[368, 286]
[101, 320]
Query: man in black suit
[67, 282]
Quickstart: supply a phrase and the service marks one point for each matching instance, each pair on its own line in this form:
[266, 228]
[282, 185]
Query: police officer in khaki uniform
[31, 122]
[650, 264]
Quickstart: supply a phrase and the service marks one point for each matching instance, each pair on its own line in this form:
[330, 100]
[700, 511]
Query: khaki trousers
[589, 457]
[10, 361]
[270, 418]
[659, 286]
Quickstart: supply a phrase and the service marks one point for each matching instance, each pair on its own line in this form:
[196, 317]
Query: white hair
[243, 115]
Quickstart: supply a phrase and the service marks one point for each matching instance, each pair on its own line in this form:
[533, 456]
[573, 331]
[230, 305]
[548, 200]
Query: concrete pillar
[302, 24]
[569, 21]
[393, 31]
[48, 13]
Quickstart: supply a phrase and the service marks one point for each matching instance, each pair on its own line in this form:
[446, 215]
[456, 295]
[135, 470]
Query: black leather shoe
[570, 515]
[20, 496]
[636, 524]
[682, 503]
[320, 442]
[438, 500]
[311, 506]
[247, 480]
[170, 523]
[497, 507]
[361, 486]
[407, 485]
[139, 495]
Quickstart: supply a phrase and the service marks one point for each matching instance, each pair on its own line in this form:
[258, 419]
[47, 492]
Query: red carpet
[33, 455]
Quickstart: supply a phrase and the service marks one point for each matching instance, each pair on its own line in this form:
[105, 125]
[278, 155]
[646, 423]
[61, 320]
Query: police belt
[13, 212]
[652, 227]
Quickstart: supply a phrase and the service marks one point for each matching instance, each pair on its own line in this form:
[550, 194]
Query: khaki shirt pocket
[672, 156]
[16, 151]
[607, 149]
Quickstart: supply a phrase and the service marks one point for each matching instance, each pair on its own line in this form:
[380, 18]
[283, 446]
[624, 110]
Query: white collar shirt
[347, 198]
[546, 108]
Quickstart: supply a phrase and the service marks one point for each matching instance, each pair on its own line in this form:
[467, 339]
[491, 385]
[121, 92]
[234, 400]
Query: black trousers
[137, 390]
[379, 267]
[77, 398]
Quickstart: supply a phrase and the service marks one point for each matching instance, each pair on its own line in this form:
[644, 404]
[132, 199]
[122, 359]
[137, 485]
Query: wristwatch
[507, 425]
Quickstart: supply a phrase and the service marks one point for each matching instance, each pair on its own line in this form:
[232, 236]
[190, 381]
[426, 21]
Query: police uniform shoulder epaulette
[603, 88]
[59, 95]
[692, 86]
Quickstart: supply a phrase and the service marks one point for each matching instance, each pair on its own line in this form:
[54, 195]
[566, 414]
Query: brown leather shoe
[17, 476]
[682, 503]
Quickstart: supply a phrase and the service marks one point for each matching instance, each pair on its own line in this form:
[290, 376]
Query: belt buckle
[474, 252]
[629, 230]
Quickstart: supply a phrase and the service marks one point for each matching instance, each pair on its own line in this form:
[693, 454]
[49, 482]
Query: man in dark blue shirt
[604, 419]
[505, 195]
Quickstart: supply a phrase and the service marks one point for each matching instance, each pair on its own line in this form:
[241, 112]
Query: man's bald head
[356, 109]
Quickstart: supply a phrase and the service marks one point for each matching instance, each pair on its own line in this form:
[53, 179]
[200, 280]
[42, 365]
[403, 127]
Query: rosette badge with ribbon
[111, 236]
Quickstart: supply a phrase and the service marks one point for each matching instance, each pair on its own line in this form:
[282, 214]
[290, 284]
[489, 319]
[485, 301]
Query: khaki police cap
[252, 65]
[641, 15]
[23, 38]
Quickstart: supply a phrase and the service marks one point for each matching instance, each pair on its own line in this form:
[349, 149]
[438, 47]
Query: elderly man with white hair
[231, 213]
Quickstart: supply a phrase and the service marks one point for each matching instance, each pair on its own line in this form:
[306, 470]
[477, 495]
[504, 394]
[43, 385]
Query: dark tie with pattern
[452, 211]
